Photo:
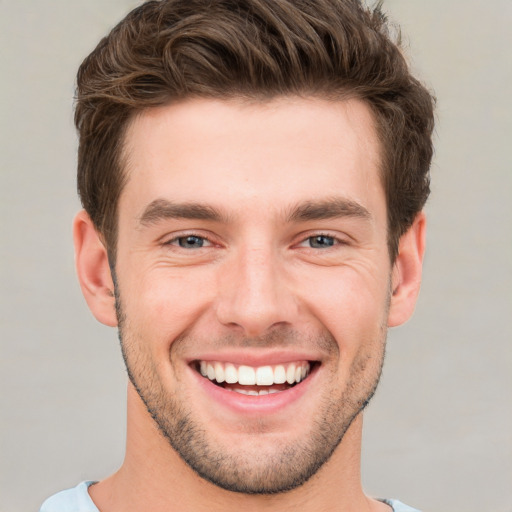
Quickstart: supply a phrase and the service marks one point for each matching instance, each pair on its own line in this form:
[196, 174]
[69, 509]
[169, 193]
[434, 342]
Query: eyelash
[335, 241]
[175, 241]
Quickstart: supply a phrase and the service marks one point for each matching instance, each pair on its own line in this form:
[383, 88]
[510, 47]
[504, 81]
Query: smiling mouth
[256, 381]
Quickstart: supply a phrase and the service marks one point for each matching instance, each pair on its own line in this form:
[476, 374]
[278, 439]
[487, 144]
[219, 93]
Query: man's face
[253, 281]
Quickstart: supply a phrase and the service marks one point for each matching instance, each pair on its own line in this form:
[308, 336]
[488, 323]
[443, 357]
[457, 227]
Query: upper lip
[256, 358]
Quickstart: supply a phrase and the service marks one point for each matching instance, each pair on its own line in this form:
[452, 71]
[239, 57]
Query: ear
[93, 270]
[406, 275]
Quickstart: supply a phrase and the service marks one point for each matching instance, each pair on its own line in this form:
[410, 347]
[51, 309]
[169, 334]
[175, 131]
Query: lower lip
[252, 404]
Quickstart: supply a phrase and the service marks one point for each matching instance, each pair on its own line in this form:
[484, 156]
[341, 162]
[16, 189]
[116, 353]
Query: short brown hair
[170, 50]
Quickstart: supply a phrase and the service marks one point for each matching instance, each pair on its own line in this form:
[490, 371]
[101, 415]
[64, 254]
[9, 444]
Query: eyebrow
[162, 209]
[328, 209]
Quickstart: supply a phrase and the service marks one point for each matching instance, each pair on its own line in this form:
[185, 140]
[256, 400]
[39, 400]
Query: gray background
[439, 432]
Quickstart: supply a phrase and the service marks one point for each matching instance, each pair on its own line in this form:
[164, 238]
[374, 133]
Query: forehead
[266, 155]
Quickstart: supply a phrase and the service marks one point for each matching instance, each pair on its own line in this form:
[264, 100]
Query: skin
[260, 286]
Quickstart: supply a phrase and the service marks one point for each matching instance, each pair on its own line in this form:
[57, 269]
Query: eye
[320, 241]
[190, 242]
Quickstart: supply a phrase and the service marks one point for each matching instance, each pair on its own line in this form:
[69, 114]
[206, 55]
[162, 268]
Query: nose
[254, 294]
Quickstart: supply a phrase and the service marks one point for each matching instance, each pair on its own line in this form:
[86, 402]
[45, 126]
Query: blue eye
[191, 242]
[321, 241]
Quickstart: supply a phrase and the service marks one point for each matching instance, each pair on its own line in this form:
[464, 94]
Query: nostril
[256, 303]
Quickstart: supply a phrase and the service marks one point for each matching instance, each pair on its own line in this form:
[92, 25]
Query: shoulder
[398, 506]
[76, 499]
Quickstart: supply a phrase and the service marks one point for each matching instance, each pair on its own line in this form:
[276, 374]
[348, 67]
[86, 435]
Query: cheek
[163, 303]
[351, 305]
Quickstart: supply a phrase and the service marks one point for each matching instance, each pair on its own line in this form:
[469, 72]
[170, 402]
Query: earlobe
[406, 276]
[93, 270]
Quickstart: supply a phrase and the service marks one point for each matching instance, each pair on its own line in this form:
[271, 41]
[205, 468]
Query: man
[253, 175]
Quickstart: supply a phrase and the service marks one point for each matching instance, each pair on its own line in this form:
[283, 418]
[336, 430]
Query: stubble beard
[281, 469]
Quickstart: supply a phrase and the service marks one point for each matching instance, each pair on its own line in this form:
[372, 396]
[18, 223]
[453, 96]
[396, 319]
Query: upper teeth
[251, 376]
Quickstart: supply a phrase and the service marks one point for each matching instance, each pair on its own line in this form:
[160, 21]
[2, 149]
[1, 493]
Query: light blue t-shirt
[77, 499]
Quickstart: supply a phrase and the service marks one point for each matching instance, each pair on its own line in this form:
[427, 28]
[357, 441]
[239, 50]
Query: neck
[154, 477]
